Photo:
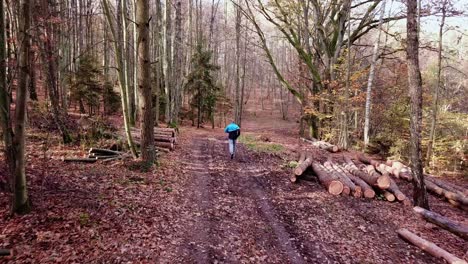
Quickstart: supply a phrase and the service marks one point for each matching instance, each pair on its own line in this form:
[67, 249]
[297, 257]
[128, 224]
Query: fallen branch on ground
[429, 247]
[433, 217]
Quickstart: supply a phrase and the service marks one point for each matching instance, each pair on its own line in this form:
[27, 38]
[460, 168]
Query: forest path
[228, 215]
[246, 211]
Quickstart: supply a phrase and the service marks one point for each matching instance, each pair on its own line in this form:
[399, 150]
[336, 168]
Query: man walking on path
[234, 132]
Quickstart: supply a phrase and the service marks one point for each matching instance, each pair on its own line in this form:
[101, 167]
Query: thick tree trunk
[346, 190]
[168, 57]
[355, 190]
[376, 180]
[415, 93]
[383, 181]
[333, 186]
[20, 197]
[367, 190]
[429, 247]
[454, 227]
[177, 61]
[148, 153]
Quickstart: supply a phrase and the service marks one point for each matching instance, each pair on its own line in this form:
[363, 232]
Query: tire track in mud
[199, 247]
[254, 221]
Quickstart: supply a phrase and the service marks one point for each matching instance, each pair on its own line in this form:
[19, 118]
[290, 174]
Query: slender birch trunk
[370, 80]
[435, 102]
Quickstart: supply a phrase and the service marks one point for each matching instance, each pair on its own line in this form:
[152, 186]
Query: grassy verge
[253, 143]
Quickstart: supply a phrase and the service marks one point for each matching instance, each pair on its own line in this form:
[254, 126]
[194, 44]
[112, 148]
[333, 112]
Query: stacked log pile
[366, 176]
[350, 177]
[165, 139]
[453, 194]
[363, 176]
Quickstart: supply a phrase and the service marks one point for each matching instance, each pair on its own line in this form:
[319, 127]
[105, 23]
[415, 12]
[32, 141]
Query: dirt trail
[230, 217]
[246, 211]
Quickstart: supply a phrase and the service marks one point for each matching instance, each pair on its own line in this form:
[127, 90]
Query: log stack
[322, 145]
[347, 179]
[165, 139]
[453, 194]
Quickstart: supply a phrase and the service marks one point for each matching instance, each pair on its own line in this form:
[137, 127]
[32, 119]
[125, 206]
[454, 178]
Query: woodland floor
[198, 206]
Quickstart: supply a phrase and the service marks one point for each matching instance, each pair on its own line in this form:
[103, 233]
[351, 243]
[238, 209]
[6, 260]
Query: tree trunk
[302, 166]
[454, 198]
[454, 227]
[429, 247]
[435, 102]
[20, 197]
[446, 185]
[5, 108]
[168, 52]
[370, 80]
[49, 61]
[177, 61]
[237, 110]
[396, 191]
[355, 189]
[121, 76]
[333, 186]
[367, 190]
[344, 137]
[381, 182]
[415, 93]
[136, 96]
[148, 154]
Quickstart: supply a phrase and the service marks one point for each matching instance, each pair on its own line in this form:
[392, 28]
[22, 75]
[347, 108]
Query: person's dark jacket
[234, 134]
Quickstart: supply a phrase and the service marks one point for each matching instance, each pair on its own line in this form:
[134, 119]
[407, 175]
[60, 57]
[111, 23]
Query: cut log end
[389, 196]
[357, 193]
[293, 178]
[335, 188]
[383, 182]
[346, 190]
[400, 197]
[368, 193]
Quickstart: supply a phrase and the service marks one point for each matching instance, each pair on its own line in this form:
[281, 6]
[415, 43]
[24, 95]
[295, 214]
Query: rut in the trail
[234, 220]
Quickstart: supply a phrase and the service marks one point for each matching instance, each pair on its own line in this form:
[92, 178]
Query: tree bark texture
[144, 82]
[20, 196]
[415, 93]
[5, 108]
